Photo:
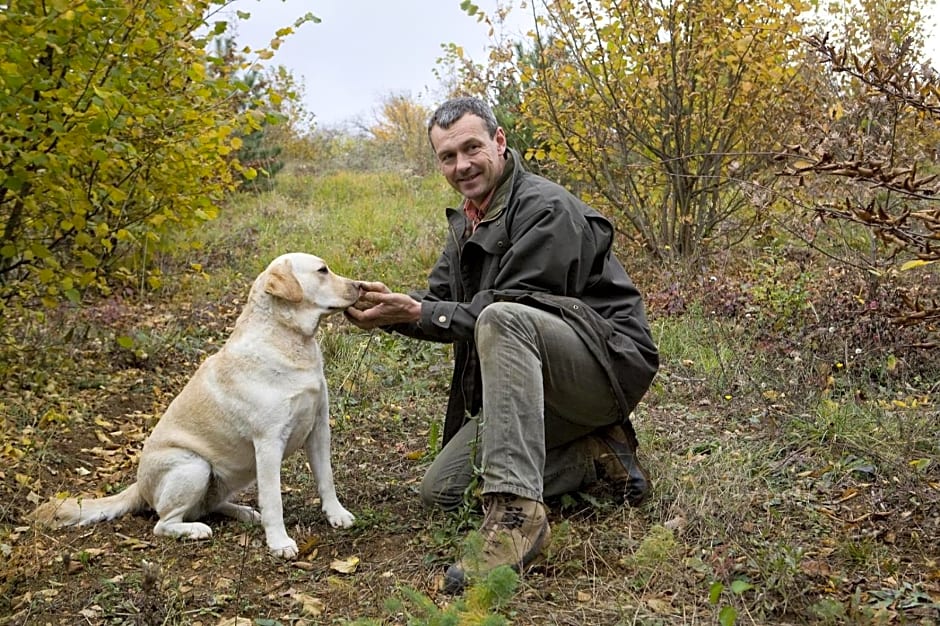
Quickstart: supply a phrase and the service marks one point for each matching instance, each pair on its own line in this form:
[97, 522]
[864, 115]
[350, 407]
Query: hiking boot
[514, 531]
[616, 462]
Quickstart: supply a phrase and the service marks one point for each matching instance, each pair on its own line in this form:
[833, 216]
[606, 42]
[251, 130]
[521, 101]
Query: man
[552, 346]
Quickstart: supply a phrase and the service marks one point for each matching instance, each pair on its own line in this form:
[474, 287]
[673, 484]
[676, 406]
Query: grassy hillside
[792, 440]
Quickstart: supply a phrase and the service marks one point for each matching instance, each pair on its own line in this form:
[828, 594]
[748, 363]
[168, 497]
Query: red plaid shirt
[476, 213]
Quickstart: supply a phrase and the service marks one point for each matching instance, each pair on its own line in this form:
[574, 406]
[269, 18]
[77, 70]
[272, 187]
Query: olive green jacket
[540, 245]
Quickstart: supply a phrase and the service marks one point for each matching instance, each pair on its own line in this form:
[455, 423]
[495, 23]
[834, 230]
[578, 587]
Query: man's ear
[283, 284]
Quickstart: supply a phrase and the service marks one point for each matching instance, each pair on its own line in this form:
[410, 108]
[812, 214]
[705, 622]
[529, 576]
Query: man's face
[471, 160]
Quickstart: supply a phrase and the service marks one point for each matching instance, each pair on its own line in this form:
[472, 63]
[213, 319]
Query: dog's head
[303, 289]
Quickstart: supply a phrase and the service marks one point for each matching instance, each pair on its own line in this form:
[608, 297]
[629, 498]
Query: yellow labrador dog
[257, 400]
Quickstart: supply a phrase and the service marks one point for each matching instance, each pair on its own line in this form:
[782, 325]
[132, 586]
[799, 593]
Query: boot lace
[511, 517]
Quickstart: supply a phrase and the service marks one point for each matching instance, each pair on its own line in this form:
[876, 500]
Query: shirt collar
[476, 212]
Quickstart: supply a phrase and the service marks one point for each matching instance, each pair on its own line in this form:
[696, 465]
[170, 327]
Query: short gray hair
[448, 113]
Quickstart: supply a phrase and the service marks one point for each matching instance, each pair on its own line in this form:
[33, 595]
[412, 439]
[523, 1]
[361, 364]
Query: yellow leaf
[914, 264]
[309, 546]
[103, 438]
[345, 566]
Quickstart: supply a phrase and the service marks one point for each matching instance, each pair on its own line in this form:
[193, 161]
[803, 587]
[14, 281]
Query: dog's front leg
[317, 447]
[268, 456]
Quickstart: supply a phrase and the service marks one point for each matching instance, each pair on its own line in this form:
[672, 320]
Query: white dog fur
[257, 400]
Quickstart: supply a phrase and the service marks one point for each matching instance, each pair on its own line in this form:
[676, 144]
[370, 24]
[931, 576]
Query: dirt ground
[89, 420]
[79, 428]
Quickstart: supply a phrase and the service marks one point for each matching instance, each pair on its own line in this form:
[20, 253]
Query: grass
[787, 489]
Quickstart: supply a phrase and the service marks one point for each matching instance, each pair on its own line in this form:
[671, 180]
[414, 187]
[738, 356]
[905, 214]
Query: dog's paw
[287, 550]
[186, 530]
[338, 517]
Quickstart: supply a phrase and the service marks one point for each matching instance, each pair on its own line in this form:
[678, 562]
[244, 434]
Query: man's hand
[378, 306]
[366, 287]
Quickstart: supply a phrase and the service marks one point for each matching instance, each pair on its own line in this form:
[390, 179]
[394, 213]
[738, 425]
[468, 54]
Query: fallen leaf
[345, 566]
[89, 553]
[103, 438]
[100, 421]
[91, 613]
[235, 621]
[132, 543]
[661, 606]
[848, 494]
[815, 568]
[309, 605]
[309, 546]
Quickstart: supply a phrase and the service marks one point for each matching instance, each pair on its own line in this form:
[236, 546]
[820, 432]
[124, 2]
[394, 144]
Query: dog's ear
[283, 284]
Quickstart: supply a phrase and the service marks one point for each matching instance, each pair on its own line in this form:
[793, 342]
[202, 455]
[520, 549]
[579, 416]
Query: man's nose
[463, 161]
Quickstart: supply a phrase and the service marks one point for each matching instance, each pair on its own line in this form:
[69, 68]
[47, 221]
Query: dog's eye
[324, 270]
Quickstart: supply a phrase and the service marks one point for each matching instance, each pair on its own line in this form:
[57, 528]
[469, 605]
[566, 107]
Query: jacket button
[442, 319]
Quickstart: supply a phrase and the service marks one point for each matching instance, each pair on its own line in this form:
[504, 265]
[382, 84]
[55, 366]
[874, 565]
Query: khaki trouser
[542, 393]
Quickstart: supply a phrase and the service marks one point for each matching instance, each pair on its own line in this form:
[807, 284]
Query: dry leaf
[345, 566]
[103, 438]
[235, 621]
[309, 546]
[661, 606]
[89, 553]
[813, 567]
[309, 605]
[676, 524]
[91, 613]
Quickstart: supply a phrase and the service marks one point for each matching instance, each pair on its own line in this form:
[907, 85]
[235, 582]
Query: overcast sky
[365, 50]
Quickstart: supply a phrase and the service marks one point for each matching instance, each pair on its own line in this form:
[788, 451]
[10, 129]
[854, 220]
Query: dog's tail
[81, 511]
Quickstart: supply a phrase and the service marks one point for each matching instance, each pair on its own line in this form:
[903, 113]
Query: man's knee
[499, 317]
[438, 493]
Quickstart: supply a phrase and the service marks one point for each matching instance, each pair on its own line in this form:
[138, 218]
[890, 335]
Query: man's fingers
[374, 286]
[357, 318]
